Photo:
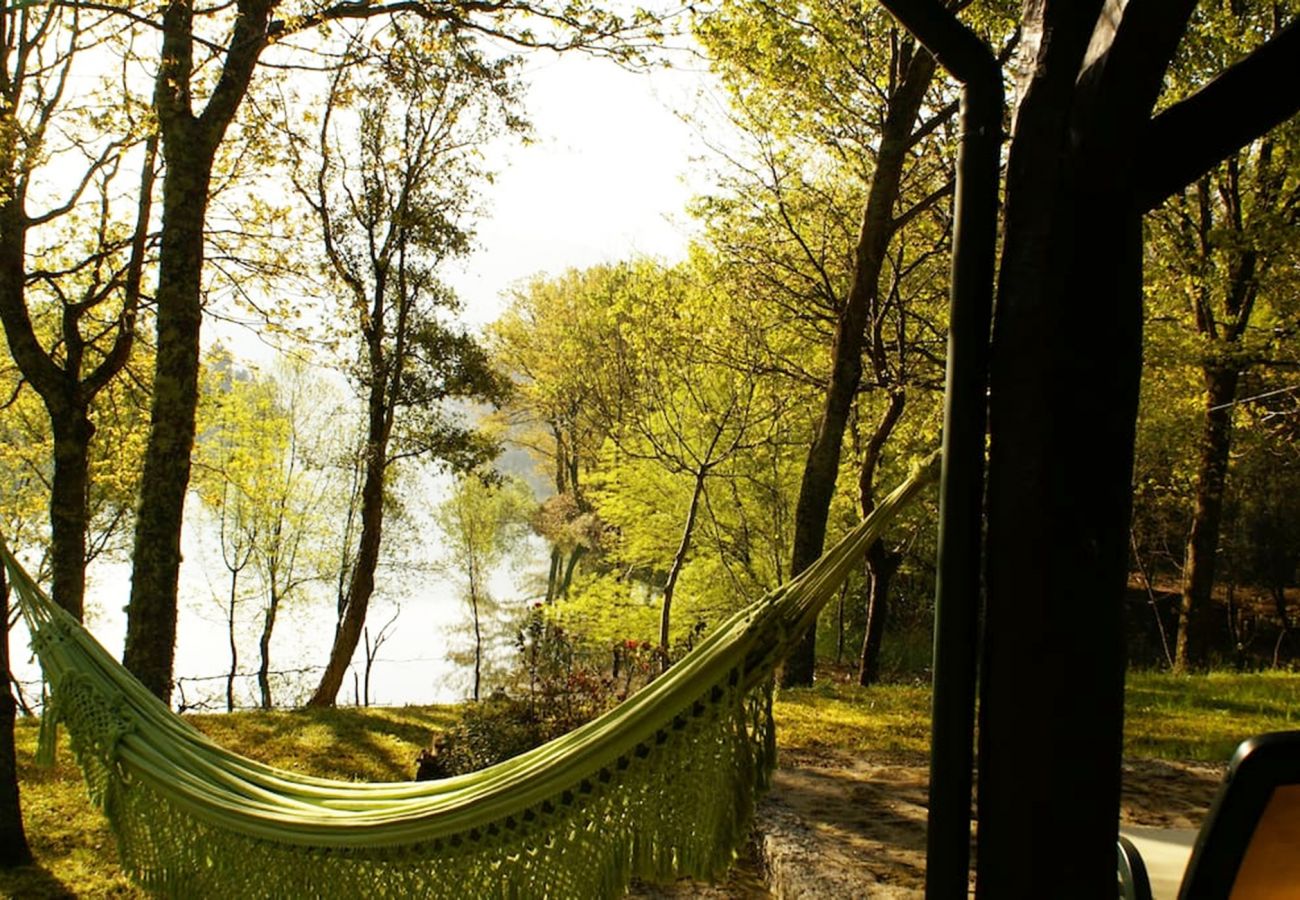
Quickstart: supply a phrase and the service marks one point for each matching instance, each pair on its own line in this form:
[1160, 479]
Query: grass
[1169, 717]
[1205, 717]
[835, 714]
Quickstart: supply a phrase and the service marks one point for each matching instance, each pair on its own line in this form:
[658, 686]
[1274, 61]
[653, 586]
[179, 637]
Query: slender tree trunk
[1196, 618]
[553, 576]
[362, 584]
[230, 635]
[478, 638]
[882, 565]
[1283, 622]
[264, 643]
[151, 613]
[839, 624]
[679, 560]
[385, 374]
[567, 580]
[370, 659]
[822, 467]
[14, 850]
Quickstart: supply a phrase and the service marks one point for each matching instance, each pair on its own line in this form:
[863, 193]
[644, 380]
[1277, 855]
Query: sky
[608, 176]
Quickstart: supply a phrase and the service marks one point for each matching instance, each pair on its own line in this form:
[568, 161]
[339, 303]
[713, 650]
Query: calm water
[423, 659]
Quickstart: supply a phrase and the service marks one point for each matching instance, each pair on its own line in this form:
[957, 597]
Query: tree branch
[1243, 103]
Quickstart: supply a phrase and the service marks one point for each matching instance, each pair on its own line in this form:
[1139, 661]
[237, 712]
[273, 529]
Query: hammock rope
[660, 787]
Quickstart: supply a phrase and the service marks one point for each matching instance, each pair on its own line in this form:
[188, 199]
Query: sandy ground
[837, 826]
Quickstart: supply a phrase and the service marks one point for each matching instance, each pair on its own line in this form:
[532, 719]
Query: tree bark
[553, 575]
[569, 568]
[362, 584]
[1196, 619]
[679, 560]
[66, 402]
[1066, 360]
[882, 565]
[151, 614]
[14, 850]
[264, 644]
[822, 466]
[385, 376]
[230, 636]
[189, 145]
[478, 636]
[69, 504]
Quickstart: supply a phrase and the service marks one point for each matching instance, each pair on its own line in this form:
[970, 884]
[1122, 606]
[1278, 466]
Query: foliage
[834, 222]
[26, 461]
[550, 341]
[264, 471]
[388, 221]
[1221, 333]
[483, 521]
[559, 680]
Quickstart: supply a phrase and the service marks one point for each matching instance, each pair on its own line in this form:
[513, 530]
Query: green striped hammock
[660, 787]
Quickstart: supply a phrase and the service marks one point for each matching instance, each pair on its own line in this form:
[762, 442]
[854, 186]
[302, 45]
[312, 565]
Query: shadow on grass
[33, 882]
[375, 744]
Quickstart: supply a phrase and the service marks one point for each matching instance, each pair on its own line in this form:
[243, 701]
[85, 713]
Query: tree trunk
[569, 568]
[1196, 619]
[69, 516]
[882, 564]
[65, 403]
[384, 371]
[478, 640]
[264, 643]
[189, 144]
[553, 576]
[362, 584]
[151, 613]
[1283, 622]
[679, 560]
[230, 635]
[14, 850]
[822, 467]
[1066, 361]
[839, 624]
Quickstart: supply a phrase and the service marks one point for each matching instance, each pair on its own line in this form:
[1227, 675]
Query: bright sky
[608, 176]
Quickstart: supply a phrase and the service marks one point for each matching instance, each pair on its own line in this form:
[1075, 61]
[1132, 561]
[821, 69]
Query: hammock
[662, 786]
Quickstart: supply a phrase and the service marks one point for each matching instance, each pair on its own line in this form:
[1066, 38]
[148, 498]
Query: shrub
[560, 682]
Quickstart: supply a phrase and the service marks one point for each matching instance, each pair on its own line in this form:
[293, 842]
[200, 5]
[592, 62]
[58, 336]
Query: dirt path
[839, 826]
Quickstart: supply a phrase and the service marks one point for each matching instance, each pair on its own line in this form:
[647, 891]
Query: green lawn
[1205, 717]
[1200, 717]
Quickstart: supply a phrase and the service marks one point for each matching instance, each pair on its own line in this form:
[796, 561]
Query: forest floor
[846, 816]
[839, 824]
